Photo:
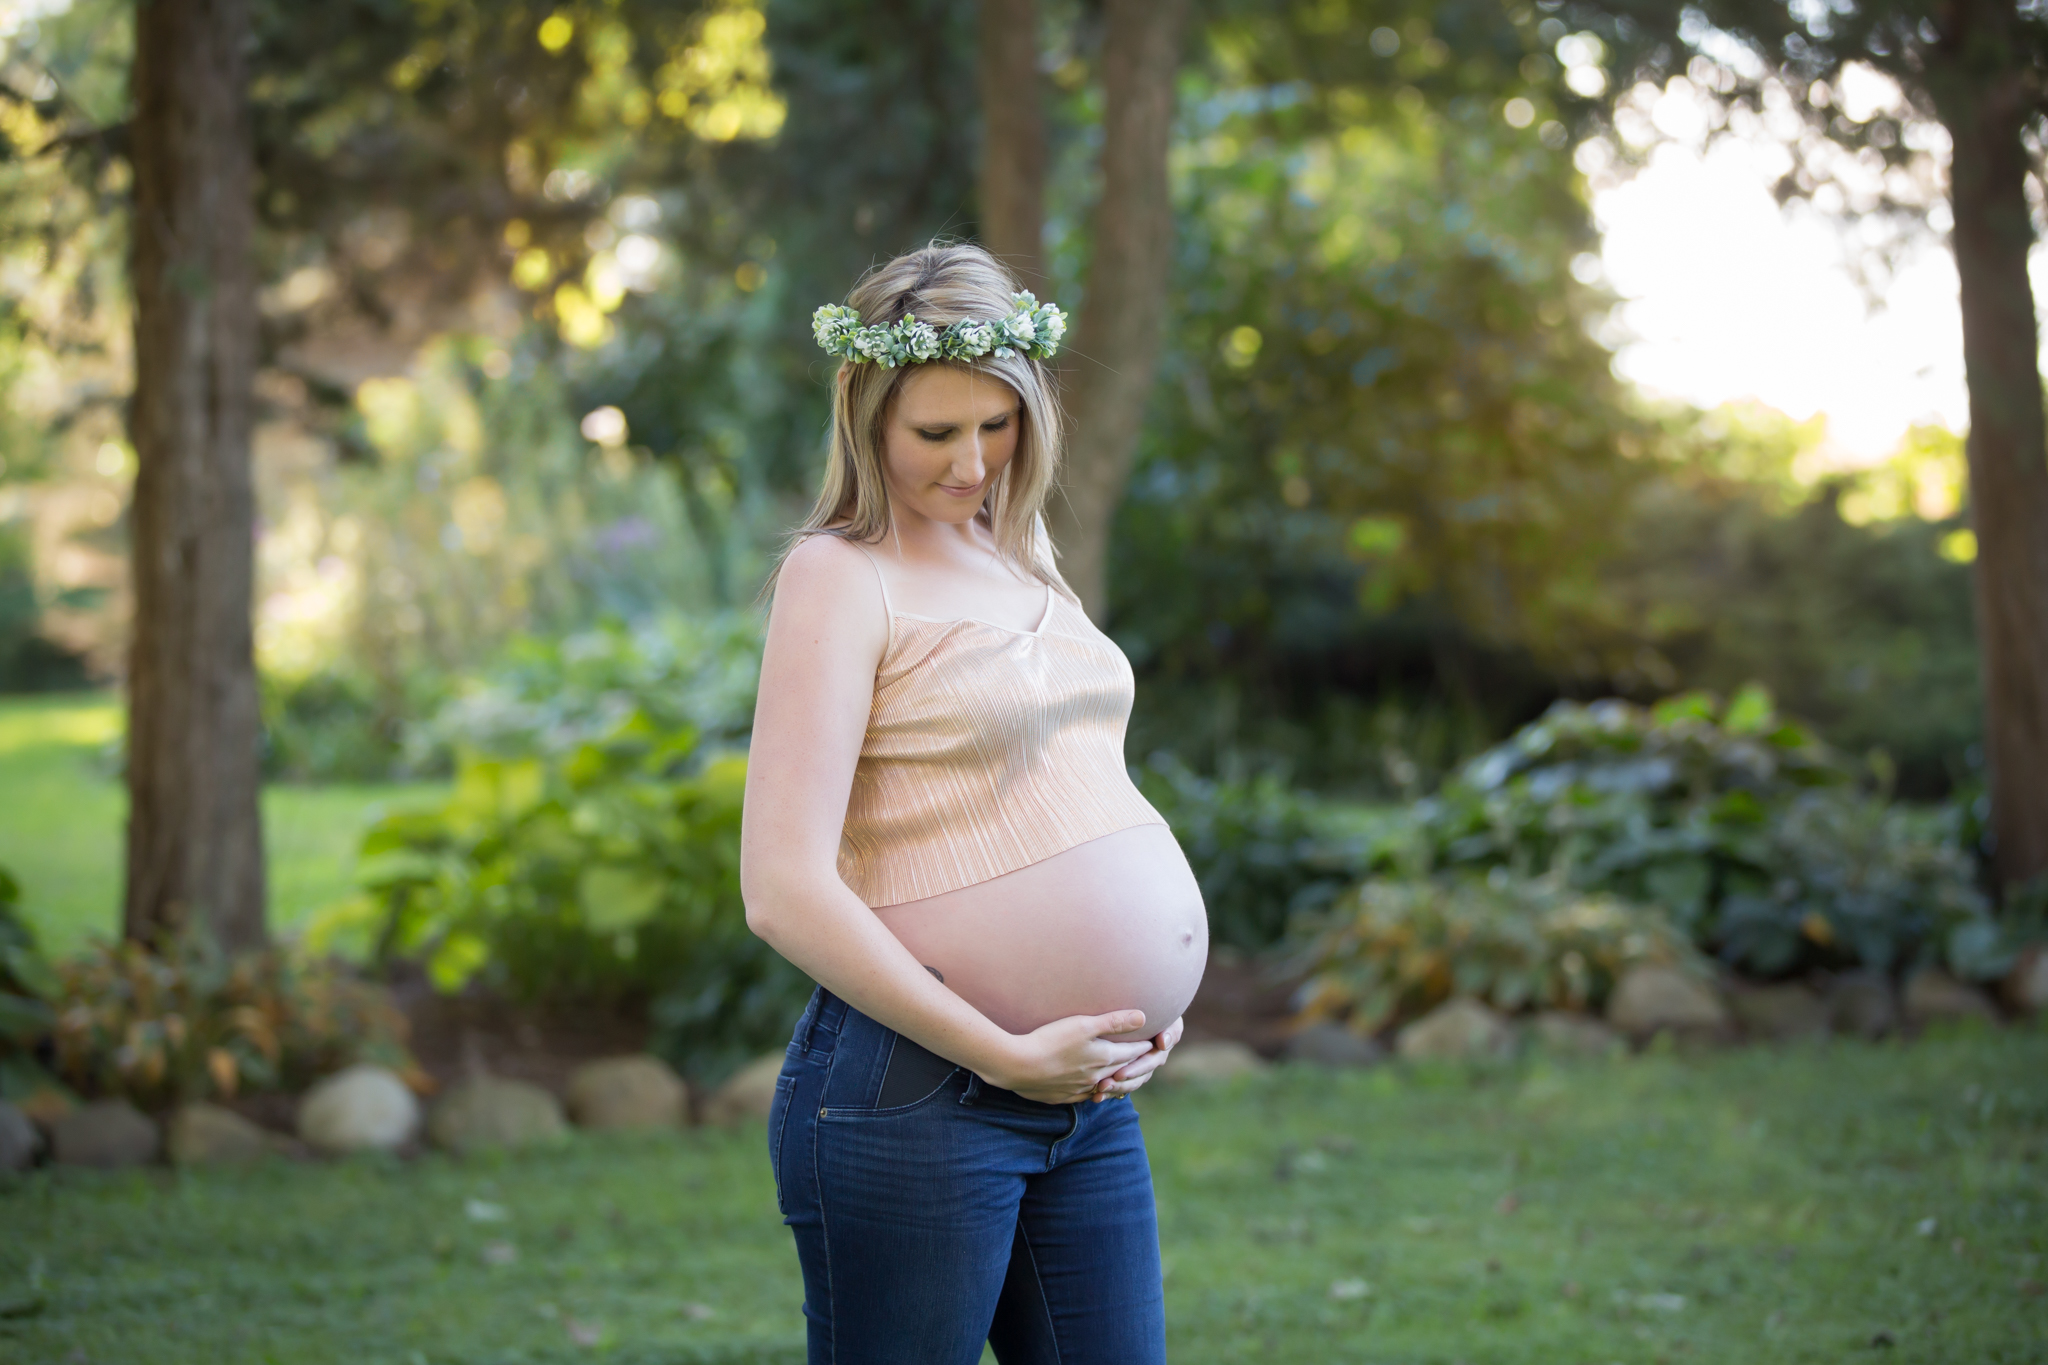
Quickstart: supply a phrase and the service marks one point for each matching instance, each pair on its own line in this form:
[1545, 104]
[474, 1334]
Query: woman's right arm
[827, 631]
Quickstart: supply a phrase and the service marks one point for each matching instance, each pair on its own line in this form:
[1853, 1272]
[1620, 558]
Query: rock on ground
[1565, 1034]
[208, 1135]
[746, 1095]
[1650, 999]
[2026, 985]
[19, 1140]
[108, 1134]
[1933, 995]
[1334, 1045]
[1460, 1029]
[363, 1108]
[1216, 1060]
[627, 1092]
[490, 1111]
[1784, 1011]
[1863, 1004]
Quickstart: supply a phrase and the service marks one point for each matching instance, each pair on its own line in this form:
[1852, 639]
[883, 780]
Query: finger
[1119, 1021]
[1144, 1066]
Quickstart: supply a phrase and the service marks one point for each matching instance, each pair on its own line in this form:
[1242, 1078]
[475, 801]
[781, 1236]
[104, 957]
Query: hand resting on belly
[1115, 923]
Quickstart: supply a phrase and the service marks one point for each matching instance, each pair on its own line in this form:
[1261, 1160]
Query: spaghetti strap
[888, 608]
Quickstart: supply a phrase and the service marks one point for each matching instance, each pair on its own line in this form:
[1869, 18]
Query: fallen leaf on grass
[698, 1312]
[584, 1333]
[500, 1253]
[1349, 1289]
[483, 1211]
[1508, 1204]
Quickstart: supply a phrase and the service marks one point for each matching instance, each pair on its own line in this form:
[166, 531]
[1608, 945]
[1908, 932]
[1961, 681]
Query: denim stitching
[1052, 1153]
[824, 1221]
[1052, 1328]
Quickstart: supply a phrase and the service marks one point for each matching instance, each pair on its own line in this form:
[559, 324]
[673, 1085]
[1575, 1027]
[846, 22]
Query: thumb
[1120, 1021]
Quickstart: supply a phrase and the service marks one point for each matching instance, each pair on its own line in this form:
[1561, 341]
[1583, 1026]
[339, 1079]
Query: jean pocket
[778, 1121]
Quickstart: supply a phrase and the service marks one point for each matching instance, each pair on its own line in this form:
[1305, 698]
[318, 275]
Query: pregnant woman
[939, 829]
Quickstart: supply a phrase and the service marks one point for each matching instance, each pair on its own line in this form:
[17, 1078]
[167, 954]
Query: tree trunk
[1114, 348]
[1012, 139]
[2008, 455]
[195, 846]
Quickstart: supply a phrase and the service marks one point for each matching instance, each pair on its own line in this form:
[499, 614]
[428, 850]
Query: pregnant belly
[1115, 923]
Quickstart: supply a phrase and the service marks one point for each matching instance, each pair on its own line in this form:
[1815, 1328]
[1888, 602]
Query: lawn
[63, 811]
[1820, 1204]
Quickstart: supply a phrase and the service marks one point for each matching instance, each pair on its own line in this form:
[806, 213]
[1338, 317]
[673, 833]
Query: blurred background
[1520, 447]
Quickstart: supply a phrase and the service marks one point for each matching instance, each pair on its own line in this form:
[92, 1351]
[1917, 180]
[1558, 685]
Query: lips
[969, 491]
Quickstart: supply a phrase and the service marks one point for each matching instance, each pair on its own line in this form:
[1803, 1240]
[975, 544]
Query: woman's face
[950, 433]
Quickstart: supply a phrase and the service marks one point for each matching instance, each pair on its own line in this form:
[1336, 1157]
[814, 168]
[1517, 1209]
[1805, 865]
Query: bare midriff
[1115, 923]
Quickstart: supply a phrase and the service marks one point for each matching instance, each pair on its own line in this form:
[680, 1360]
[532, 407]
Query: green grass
[1744, 1207]
[63, 813]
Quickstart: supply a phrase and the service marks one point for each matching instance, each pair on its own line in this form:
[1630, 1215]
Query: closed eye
[936, 435]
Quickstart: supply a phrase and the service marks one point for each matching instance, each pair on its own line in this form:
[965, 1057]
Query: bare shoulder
[828, 590]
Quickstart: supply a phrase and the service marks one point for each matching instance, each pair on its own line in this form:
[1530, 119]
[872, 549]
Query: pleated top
[987, 750]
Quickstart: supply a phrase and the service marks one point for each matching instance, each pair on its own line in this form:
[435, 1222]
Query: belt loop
[972, 1094]
[809, 1023]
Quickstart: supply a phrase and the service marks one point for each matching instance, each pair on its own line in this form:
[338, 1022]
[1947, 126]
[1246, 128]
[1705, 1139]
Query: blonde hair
[942, 284]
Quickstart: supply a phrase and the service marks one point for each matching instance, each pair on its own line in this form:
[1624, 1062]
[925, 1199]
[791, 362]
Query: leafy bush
[191, 1022]
[1393, 949]
[332, 726]
[606, 874]
[549, 695]
[1254, 846]
[26, 985]
[29, 660]
[1740, 824]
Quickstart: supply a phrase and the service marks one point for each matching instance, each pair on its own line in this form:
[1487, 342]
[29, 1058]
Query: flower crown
[1033, 329]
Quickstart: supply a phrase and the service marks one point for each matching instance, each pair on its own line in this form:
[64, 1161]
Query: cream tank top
[987, 750]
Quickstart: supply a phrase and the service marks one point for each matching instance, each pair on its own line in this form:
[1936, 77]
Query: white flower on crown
[921, 340]
[1020, 327]
[977, 338]
[1055, 323]
[872, 343]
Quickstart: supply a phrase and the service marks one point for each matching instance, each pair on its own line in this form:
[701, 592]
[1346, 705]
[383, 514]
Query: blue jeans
[967, 1214]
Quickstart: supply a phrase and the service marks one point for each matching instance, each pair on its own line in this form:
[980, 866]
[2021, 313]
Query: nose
[968, 465]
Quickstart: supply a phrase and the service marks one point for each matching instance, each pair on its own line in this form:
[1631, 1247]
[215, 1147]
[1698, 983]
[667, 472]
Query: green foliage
[1856, 622]
[1739, 823]
[330, 726]
[549, 694]
[29, 660]
[27, 986]
[1394, 949]
[604, 875]
[189, 1022]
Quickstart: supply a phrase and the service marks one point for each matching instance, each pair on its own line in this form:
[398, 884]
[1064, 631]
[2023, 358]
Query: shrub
[1743, 826]
[548, 695]
[605, 875]
[26, 985]
[1393, 949]
[332, 726]
[189, 1022]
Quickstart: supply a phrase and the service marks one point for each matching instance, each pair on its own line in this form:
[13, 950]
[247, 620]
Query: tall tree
[1115, 349]
[1012, 184]
[195, 843]
[1980, 68]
